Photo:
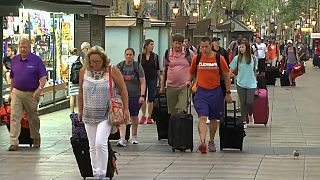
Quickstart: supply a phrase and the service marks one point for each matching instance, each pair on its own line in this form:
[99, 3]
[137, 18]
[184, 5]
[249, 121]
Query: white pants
[98, 135]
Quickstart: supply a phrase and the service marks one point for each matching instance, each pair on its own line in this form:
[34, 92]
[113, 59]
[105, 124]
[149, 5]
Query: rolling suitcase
[81, 152]
[161, 116]
[180, 131]
[24, 137]
[231, 131]
[116, 136]
[235, 97]
[284, 79]
[316, 60]
[261, 107]
[80, 147]
[271, 74]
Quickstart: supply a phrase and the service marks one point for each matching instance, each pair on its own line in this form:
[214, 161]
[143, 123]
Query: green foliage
[292, 11]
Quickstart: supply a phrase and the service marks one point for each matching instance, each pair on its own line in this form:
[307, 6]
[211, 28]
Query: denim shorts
[151, 87]
[134, 106]
[209, 102]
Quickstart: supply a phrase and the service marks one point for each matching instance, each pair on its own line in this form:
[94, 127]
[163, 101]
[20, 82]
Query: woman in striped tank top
[94, 105]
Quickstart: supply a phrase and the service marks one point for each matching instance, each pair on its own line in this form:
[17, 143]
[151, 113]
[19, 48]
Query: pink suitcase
[261, 107]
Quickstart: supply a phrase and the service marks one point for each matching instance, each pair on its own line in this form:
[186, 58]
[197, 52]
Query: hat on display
[215, 39]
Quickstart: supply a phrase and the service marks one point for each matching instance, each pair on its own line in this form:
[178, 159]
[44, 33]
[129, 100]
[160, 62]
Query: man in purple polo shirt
[28, 77]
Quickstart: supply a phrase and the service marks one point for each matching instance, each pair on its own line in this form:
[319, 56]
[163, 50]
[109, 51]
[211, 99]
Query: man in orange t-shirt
[208, 98]
[273, 52]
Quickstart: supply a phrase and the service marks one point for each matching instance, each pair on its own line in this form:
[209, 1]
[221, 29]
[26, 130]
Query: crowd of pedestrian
[206, 71]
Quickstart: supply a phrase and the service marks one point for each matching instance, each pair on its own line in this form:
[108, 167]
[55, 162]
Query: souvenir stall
[51, 36]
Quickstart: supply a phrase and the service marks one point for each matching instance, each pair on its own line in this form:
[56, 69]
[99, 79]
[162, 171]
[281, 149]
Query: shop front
[51, 30]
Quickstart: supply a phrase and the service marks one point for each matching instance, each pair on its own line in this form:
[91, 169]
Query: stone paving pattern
[267, 154]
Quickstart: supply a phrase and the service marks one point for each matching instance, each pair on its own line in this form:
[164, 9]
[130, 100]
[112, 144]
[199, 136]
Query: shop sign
[315, 35]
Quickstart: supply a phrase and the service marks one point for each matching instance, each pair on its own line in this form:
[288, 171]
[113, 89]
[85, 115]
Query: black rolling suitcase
[316, 60]
[116, 136]
[81, 152]
[271, 74]
[180, 133]
[231, 131]
[24, 137]
[80, 146]
[284, 79]
[161, 116]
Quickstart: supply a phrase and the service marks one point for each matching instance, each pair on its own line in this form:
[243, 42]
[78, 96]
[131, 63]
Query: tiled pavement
[267, 153]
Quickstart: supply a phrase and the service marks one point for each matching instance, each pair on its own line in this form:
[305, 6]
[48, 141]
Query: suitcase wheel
[265, 124]
[183, 150]
[173, 149]
[221, 149]
[30, 145]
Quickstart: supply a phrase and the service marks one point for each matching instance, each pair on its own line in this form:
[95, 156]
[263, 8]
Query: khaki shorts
[176, 99]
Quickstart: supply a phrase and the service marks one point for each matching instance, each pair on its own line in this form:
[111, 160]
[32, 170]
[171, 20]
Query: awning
[97, 7]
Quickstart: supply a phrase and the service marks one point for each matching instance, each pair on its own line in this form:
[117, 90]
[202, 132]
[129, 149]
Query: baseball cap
[289, 41]
[215, 39]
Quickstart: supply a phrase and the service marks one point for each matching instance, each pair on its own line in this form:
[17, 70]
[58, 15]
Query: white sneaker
[134, 140]
[251, 119]
[245, 125]
[208, 121]
[122, 143]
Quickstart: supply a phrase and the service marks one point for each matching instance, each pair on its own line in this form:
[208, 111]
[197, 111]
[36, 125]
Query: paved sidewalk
[267, 154]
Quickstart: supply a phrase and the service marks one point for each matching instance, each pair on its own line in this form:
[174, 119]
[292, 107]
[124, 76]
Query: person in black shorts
[150, 63]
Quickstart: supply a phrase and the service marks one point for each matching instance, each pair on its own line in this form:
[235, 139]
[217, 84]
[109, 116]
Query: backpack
[255, 47]
[187, 52]
[224, 53]
[75, 69]
[135, 68]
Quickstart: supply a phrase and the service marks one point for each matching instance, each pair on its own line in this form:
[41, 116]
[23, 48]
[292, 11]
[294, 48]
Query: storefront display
[51, 36]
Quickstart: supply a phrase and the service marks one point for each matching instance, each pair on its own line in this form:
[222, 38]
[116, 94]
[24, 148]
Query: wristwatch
[142, 96]
[228, 92]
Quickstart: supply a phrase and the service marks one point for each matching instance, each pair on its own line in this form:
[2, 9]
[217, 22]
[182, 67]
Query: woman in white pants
[94, 105]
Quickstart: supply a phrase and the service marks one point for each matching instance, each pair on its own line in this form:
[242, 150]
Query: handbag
[116, 110]
[297, 70]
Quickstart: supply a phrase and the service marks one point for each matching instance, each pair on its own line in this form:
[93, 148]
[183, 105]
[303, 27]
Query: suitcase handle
[188, 100]
[234, 109]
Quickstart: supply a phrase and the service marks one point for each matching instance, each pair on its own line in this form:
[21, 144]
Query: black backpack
[75, 69]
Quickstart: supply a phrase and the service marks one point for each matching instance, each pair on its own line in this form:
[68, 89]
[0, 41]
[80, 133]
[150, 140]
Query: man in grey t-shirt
[134, 78]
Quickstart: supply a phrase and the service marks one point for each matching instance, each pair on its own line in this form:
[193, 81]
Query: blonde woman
[94, 105]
